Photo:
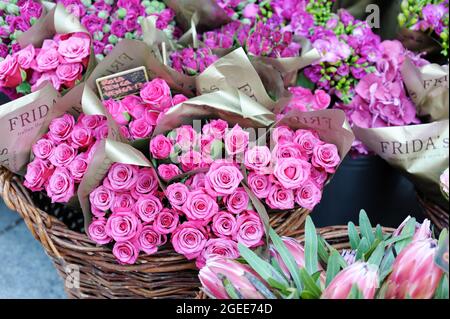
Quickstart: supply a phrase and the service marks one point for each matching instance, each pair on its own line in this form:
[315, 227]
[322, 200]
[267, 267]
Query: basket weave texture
[437, 214]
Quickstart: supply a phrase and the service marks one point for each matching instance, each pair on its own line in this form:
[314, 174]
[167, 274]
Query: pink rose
[179, 98]
[122, 201]
[215, 128]
[199, 206]
[282, 134]
[123, 225]
[251, 11]
[125, 132]
[75, 48]
[149, 240]
[186, 137]
[249, 229]
[318, 176]
[10, 72]
[236, 140]
[307, 140]
[101, 198]
[291, 172]
[134, 105]
[97, 232]
[101, 132]
[38, 172]
[287, 150]
[46, 77]
[177, 195]
[190, 160]
[326, 156]
[280, 198]
[148, 207]
[117, 111]
[91, 122]
[224, 224]
[140, 129]
[160, 147]
[258, 159]
[223, 178]
[61, 128]
[61, 186]
[197, 181]
[166, 221]
[46, 60]
[126, 252]
[78, 167]
[81, 137]
[168, 171]
[218, 247]
[189, 239]
[321, 100]
[63, 155]
[25, 56]
[308, 195]
[238, 201]
[122, 177]
[69, 72]
[43, 148]
[147, 183]
[156, 93]
[259, 184]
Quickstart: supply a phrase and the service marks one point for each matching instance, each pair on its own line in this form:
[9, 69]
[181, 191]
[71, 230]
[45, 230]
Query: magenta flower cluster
[62, 156]
[109, 21]
[192, 61]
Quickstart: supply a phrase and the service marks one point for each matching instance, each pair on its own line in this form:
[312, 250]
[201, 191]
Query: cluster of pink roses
[293, 172]
[63, 154]
[192, 61]
[305, 100]
[137, 115]
[130, 210]
[61, 61]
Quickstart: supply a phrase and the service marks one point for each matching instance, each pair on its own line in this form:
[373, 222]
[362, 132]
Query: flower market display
[193, 142]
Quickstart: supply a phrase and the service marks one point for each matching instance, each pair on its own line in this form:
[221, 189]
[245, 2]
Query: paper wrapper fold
[419, 151]
[428, 87]
[107, 153]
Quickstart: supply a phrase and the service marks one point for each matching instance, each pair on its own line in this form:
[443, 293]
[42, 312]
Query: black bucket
[371, 184]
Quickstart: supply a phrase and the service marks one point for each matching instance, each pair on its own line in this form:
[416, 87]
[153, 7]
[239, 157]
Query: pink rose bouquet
[110, 21]
[138, 114]
[192, 61]
[292, 173]
[61, 61]
[62, 156]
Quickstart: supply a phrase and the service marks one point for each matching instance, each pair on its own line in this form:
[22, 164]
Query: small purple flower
[118, 28]
[3, 50]
[434, 13]
[93, 23]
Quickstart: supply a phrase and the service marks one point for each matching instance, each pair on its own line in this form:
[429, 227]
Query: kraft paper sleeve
[419, 151]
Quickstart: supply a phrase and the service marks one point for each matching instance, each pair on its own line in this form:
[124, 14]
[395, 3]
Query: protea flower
[217, 268]
[414, 273]
[423, 231]
[361, 274]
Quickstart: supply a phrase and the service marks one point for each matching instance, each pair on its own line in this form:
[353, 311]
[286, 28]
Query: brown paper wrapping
[235, 71]
[108, 153]
[331, 125]
[20, 122]
[418, 151]
[210, 14]
[428, 87]
[129, 54]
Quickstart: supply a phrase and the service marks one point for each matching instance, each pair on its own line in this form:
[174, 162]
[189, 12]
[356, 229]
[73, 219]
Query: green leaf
[306, 294]
[408, 230]
[377, 255]
[363, 247]
[263, 268]
[287, 258]
[259, 286]
[353, 235]
[232, 292]
[379, 233]
[366, 227]
[303, 81]
[311, 258]
[398, 238]
[333, 267]
[386, 264]
[355, 293]
[322, 249]
[442, 290]
[23, 75]
[371, 249]
[309, 284]
[24, 88]
[127, 116]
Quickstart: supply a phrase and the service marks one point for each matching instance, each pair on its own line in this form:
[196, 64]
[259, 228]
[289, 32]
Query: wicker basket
[436, 213]
[163, 275]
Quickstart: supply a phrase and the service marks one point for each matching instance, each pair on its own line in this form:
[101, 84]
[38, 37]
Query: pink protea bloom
[216, 268]
[361, 274]
[414, 273]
